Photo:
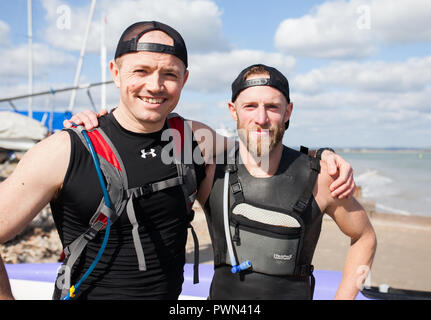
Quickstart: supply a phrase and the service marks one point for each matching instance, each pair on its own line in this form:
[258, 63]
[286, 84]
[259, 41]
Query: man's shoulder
[297, 153]
[50, 153]
[292, 158]
[107, 120]
[290, 154]
[57, 140]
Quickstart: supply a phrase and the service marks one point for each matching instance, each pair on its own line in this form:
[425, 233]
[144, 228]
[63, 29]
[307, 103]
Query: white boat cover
[19, 132]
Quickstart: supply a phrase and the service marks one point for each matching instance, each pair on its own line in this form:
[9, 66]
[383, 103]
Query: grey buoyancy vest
[122, 197]
[269, 218]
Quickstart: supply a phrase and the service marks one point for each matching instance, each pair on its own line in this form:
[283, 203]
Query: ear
[232, 110]
[186, 76]
[288, 113]
[115, 72]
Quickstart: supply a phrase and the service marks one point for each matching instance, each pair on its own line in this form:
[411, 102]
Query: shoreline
[382, 150]
[406, 220]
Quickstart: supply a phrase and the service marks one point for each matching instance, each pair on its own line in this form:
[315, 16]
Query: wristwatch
[319, 152]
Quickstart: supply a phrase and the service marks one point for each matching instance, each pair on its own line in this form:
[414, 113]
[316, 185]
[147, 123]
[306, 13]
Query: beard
[260, 145]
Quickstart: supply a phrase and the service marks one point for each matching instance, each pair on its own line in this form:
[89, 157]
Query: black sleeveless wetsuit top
[279, 191]
[161, 217]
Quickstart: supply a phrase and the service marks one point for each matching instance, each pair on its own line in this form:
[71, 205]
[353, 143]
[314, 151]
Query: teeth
[153, 100]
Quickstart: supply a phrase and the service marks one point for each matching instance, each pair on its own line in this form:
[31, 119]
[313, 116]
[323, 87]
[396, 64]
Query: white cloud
[351, 115]
[4, 32]
[329, 31]
[198, 21]
[216, 71]
[360, 118]
[15, 60]
[413, 74]
[361, 101]
[364, 104]
[66, 29]
[353, 29]
[399, 21]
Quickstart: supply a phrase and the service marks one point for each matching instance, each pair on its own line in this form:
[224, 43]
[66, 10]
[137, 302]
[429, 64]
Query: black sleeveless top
[161, 217]
[279, 191]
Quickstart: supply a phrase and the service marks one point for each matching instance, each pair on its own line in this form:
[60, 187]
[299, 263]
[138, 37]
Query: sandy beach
[402, 260]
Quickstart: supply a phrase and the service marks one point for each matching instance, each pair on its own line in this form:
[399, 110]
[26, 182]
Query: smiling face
[261, 113]
[150, 83]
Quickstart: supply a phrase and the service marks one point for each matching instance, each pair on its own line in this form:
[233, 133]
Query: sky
[359, 70]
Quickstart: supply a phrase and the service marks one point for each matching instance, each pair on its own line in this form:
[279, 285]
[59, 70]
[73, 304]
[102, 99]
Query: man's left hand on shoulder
[343, 185]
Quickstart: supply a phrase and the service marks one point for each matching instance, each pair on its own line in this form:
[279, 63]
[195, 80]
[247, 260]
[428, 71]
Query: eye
[171, 75]
[272, 107]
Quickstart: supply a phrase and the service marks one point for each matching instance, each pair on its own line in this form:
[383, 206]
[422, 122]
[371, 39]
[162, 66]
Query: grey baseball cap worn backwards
[276, 80]
[129, 41]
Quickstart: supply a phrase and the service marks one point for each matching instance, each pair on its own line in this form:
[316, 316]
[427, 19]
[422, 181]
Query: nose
[154, 83]
[261, 116]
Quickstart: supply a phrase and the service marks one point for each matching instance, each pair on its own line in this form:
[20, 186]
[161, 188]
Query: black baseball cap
[276, 80]
[129, 41]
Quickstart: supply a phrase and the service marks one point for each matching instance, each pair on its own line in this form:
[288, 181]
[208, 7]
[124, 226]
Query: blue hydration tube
[235, 267]
[74, 289]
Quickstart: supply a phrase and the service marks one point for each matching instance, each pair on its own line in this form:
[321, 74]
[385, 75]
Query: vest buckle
[236, 187]
[300, 206]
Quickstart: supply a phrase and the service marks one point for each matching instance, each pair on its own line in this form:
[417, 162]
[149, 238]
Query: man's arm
[353, 221]
[33, 183]
[211, 143]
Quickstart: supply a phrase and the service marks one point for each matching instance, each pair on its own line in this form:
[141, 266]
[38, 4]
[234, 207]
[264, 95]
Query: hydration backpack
[121, 196]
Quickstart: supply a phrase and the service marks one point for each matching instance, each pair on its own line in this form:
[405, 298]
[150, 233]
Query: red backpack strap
[104, 149]
[176, 122]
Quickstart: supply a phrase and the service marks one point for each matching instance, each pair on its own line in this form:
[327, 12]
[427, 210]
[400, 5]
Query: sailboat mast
[81, 56]
[103, 63]
[30, 57]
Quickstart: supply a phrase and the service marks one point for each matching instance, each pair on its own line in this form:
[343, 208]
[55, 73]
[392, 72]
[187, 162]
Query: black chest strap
[302, 203]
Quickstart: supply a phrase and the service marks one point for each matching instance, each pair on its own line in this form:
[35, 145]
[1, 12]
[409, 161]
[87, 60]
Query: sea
[399, 182]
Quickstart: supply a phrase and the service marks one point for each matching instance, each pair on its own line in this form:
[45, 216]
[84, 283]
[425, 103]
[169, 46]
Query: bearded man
[264, 208]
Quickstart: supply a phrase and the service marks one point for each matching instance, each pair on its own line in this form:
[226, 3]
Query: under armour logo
[152, 152]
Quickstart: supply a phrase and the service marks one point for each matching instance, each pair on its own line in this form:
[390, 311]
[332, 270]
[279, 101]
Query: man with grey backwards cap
[150, 69]
[264, 208]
